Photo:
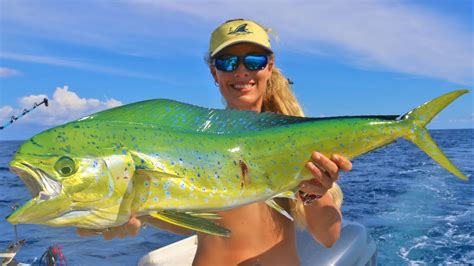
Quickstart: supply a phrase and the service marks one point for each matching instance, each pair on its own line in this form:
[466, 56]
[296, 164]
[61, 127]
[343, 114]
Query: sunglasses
[252, 62]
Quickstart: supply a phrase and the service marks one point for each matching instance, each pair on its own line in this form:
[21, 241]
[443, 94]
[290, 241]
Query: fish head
[70, 188]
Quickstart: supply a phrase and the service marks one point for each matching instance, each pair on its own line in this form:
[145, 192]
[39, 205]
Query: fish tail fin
[418, 118]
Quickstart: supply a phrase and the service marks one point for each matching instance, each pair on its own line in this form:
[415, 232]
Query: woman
[243, 66]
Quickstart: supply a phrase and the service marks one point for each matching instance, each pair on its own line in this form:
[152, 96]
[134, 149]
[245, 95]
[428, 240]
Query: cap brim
[233, 42]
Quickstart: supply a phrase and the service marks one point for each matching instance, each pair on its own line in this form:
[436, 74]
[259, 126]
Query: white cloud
[386, 35]
[74, 63]
[112, 103]
[64, 106]
[469, 119]
[6, 113]
[381, 35]
[29, 101]
[8, 72]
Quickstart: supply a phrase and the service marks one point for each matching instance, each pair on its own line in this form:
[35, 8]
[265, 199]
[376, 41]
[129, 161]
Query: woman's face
[243, 89]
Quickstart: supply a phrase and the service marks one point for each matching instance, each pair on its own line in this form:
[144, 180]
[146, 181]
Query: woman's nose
[241, 71]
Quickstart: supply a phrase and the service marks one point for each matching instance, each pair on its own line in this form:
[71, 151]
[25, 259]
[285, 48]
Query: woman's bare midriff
[260, 236]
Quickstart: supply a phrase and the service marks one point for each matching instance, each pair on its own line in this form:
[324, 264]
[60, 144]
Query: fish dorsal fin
[186, 117]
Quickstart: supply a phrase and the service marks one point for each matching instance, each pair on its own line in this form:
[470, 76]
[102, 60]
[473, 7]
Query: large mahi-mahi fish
[180, 163]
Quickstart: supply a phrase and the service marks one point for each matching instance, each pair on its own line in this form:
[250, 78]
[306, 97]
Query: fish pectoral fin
[278, 208]
[287, 194]
[151, 166]
[191, 222]
[207, 215]
[152, 174]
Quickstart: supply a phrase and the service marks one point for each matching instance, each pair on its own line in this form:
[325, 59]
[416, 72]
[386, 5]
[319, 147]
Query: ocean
[417, 212]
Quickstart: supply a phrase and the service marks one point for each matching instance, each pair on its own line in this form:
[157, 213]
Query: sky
[358, 57]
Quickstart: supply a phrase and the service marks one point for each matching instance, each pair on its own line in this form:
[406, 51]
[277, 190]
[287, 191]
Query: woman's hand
[323, 217]
[325, 172]
[131, 228]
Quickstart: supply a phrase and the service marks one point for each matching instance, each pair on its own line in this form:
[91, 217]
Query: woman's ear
[270, 64]
[214, 73]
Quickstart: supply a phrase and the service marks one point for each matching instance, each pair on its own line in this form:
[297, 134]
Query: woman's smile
[243, 87]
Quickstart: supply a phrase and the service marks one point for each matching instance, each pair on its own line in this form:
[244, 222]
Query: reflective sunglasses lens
[255, 62]
[226, 64]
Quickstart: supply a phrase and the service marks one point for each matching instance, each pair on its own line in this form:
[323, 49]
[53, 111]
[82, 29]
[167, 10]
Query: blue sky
[366, 57]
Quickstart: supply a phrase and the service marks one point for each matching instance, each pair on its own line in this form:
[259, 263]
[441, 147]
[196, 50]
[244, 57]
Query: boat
[354, 247]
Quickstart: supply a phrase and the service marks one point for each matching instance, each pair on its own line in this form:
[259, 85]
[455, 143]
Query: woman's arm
[323, 217]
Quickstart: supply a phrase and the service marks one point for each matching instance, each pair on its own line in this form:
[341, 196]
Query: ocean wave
[410, 171]
[420, 243]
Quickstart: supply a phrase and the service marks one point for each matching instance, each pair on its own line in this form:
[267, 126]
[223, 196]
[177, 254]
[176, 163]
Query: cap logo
[240, 30]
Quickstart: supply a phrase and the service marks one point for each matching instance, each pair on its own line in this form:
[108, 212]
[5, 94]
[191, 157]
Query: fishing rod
[25, 111]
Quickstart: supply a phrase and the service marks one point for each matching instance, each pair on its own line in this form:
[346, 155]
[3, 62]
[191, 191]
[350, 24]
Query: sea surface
[417, 212]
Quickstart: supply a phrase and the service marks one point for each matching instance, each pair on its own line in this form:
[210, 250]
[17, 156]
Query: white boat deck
[354, 247]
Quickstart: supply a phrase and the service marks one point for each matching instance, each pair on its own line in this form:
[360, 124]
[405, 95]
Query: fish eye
[65, 166]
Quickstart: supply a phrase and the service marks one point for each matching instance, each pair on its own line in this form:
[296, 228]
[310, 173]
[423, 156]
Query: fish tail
[418, 118]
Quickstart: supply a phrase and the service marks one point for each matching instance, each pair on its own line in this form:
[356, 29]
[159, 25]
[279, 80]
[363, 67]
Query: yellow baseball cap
[238, 31]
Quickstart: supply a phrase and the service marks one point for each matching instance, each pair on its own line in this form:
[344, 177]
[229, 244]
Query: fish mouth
[41, 185]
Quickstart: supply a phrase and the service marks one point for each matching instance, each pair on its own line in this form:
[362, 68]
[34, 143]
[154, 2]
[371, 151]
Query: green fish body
[180, 163]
